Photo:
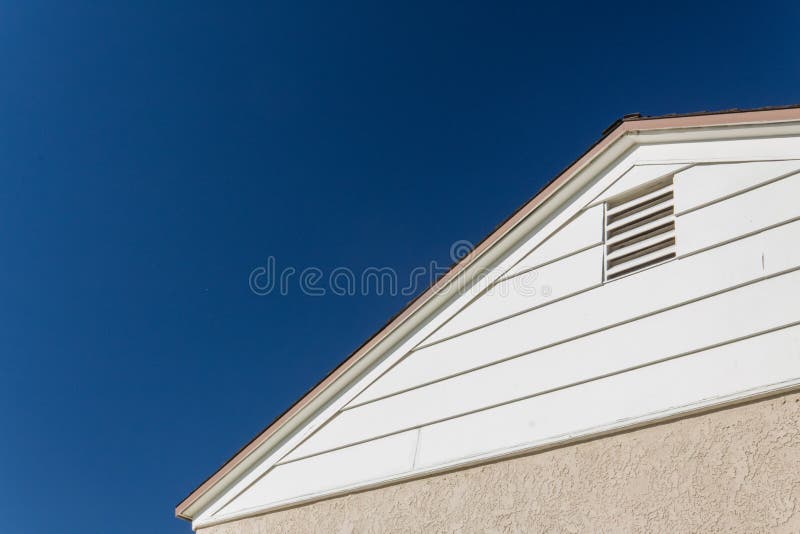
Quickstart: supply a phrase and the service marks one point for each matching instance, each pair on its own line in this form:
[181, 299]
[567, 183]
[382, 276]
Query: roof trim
[621, 127]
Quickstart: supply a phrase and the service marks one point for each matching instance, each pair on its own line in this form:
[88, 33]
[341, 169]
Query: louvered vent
[640, 229]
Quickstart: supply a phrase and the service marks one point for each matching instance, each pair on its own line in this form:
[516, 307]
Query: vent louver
[640, 229]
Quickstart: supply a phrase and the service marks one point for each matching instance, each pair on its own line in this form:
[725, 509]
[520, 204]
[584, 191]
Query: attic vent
[640, 229]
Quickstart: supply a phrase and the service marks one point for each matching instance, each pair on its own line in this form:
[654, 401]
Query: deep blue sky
[152, 154]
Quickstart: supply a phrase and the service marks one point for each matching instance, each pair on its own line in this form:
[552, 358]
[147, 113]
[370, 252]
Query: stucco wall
[733, 470]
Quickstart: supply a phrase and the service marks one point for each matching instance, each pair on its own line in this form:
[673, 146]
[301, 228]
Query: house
[621, 354]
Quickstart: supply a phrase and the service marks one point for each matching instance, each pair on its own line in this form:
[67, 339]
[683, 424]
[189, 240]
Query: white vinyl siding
[703, 184]
[537, 287]
[626, 299]
[582, 232]
[500, 370]
[760, 208]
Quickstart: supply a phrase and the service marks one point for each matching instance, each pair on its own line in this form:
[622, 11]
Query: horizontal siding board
[528, 290]
[758, 362]
[637, 176]
[735, 314]
[740, 215]
[729, 150]
[704, 184]
[621, 300]
[353, 465]
[582, 232]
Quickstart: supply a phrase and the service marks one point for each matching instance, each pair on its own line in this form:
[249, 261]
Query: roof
[627, 124]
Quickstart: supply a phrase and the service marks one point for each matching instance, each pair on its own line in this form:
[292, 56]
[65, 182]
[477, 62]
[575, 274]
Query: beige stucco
[733, 470]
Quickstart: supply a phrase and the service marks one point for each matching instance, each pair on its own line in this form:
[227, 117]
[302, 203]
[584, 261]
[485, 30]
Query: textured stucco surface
[734, 470]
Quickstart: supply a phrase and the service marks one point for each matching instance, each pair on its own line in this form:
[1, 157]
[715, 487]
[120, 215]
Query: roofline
[625, 125]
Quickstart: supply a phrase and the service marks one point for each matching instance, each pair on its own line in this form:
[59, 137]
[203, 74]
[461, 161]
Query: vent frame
[639, 229]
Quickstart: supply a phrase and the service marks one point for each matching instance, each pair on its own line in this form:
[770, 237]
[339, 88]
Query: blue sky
[153, 154]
